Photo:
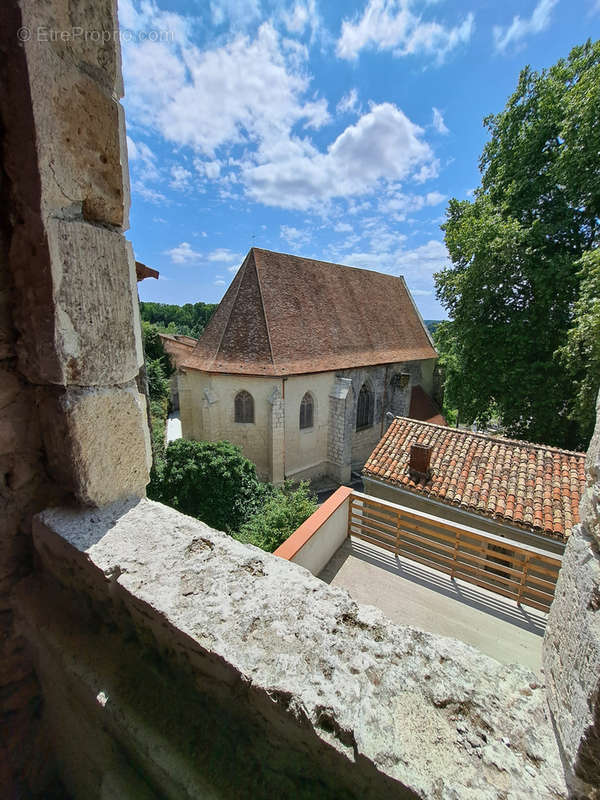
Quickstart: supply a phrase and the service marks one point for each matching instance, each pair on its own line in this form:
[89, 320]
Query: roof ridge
[490, 437]
[331, 263]
[262, 304]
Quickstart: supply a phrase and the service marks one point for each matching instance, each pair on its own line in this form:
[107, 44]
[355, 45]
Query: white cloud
[294, 236]
[343, 227]
[438, 122]
[520, 28]
[220, 282]
[349, 102]
[246, 108]
[237, 13]
[223, 254]
[184, 254]
[180, 178]
[181, 92]
[399, 205]
[383, 145]
[144, 170]
[210, 169]
[417, 264]
[302, 15]
[394, 25]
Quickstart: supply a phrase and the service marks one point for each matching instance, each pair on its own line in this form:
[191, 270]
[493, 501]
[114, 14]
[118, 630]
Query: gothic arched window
[244, 407]
[307, 411]
[364, 408]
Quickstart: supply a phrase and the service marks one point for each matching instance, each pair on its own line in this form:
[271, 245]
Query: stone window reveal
[244, 407]
[307, 411]
[364, 408]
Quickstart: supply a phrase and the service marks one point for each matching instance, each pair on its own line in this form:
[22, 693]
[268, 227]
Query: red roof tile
[533, 486]
[286, 315]
[178, 346]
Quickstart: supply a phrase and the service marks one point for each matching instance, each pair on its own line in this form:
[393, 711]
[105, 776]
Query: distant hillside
[432, 324]
[189, 319]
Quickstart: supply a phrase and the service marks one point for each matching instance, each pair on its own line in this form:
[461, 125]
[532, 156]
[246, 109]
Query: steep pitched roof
[179, 347]
[424, 407]
[286, 315]
[529, 485]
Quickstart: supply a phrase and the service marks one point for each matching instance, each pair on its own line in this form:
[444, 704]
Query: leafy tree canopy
[515, 250]
[581, 354]
[211, 481]
[189, 319]
[282, 513]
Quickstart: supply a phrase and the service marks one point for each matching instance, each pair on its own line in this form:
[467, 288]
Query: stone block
[79, 128]
[97, 333]
[83, 33]
[98, 442]
[572, 663]
[241, 646]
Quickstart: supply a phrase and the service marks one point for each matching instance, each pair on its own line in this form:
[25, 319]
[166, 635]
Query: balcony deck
[413, 594]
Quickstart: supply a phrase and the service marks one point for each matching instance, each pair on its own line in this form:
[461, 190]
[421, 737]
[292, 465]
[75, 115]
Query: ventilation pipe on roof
[420, 458]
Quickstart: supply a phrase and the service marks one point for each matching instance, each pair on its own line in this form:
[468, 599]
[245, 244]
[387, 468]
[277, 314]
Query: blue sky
[333, 130]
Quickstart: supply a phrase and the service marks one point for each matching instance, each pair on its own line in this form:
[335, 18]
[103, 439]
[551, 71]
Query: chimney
[420, 456]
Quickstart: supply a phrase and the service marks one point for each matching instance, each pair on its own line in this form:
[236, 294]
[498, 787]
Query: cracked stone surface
[399, 708]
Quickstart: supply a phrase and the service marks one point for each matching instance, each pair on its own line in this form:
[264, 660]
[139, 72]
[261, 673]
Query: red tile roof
[178, 346]
[529, 485]
[424, 407]
[142, 271]
[286, 315]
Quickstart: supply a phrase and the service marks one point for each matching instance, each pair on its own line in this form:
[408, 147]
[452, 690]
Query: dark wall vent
[420, 458]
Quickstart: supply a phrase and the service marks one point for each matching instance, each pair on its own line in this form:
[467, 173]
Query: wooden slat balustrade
[521, 573]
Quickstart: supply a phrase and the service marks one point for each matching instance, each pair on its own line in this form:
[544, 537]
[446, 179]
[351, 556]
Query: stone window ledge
[215, 669]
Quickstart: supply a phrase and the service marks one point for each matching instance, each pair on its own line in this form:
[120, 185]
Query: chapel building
[301, 362]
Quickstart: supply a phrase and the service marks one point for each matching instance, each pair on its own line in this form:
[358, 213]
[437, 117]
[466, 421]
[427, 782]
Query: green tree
[211, 481]
[154, 349]
[515, 251]
[284, 511]
[581, 354]
[189, 319]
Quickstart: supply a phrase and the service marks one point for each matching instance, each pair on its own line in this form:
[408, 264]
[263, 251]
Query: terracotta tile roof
[142, 271]
[286, 315]
[528, 485]
[178, 347]
[424, 407]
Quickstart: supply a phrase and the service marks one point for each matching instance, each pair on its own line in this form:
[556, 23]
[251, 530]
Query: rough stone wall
[189, 665]
[339, 438]
[572, 642]
[277, 436]
[72, 422]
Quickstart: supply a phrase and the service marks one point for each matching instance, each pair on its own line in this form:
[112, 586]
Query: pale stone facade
[331, 447]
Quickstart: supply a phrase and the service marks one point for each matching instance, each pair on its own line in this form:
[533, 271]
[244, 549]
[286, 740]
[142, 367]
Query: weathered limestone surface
[97, 332]
[79, 122]
[318, 696]
[105, 434]
[572, 642]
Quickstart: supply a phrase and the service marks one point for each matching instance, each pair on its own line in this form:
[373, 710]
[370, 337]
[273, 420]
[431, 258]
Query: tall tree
[515, 251]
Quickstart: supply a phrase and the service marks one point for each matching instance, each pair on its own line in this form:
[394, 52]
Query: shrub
[211, 481]
[282, 512]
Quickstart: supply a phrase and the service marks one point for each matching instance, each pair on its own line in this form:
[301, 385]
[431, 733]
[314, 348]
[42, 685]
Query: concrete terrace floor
[411, 594]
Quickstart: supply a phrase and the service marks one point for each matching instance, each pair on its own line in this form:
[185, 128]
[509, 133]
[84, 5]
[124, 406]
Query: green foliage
[515, 250]
[581, 354]
[284, 511]
[154, 349]
[189, 319]
[211, 481]
[431, 325]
